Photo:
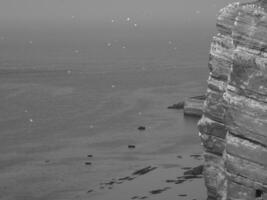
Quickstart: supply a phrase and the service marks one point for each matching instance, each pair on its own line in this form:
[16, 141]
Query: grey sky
[103, 9]
[94, 27]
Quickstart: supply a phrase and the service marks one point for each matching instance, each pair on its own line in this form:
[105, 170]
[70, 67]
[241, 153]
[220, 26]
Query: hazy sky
[104, 9]
[101, 25]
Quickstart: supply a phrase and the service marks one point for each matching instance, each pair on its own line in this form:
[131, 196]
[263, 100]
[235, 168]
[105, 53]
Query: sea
[72, 103]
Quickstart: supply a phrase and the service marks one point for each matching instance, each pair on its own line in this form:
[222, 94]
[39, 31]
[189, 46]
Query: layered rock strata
[246, 103]
[233, 128]
[194, 106]
[212, 129]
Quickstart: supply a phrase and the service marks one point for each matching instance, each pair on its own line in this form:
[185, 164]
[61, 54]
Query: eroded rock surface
[233, 128]
[212, 127]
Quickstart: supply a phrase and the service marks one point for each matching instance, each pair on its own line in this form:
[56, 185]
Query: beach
[71, 132]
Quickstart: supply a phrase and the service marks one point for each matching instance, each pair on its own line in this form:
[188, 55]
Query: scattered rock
[144, 170]
[141, 128]
[127, 178]
[144, 197]
[179, 181]
[170, 181]
[189, 175]
[159, 190]
[177, 106]
[139, 197]
[195, 171]
[88, 163]
[90, 191]
[182, 195]
[115, 181]
[110, 183]
[176, 181]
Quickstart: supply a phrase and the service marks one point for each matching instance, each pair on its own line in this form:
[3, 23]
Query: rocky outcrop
[212, 129]
[233, 128]
[246, 102]
[192, 106]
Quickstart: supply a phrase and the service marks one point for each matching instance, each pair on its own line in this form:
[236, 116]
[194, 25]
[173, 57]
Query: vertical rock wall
[246, 103]
[233, 128]
[212, 127]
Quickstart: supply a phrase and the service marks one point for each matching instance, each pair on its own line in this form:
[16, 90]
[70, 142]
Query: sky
[103, 24]
[98, 10]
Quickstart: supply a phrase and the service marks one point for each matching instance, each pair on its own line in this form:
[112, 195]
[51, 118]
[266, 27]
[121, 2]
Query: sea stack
[233, 128]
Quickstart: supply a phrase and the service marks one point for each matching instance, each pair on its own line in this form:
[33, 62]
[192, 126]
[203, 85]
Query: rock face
[233, 128]
[194, 106]
[212, 129]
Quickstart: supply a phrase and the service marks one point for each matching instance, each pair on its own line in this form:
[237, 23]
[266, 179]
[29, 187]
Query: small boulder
[141, 128]
[178, 106]
[195, 171]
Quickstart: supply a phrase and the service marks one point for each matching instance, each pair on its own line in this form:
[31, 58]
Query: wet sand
[66, 131]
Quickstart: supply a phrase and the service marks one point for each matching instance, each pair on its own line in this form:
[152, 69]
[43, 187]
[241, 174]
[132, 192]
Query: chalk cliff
[233, 127]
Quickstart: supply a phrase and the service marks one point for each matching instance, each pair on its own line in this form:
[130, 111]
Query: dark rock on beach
[158, 191]
[195, 171]
[141, 128]
[88, 163]
[176, 181]
[139, 197]
[90, 191]
[189, 174]
[177, 106]
[182, 195]
[144, 170]
[127, 178]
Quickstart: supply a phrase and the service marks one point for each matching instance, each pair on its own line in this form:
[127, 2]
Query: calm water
[75, 86]
[53, 116]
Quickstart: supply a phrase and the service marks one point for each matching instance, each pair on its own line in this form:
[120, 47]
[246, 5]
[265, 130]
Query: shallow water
[53, 117]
